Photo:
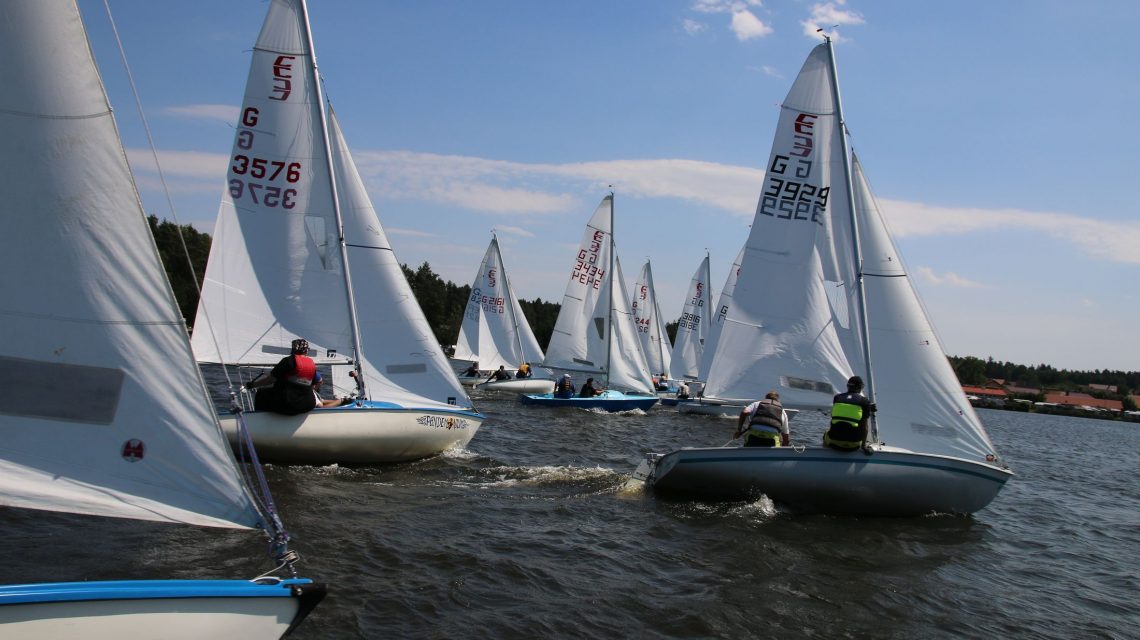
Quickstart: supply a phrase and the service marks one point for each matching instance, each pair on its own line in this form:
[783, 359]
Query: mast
[706, 314]
[357, 351]
[610, 313]
[860, 297]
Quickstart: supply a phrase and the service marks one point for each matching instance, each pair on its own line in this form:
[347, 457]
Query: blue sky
[1001, 139]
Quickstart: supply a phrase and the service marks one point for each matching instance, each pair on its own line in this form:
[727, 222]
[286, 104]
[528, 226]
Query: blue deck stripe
[143, 589]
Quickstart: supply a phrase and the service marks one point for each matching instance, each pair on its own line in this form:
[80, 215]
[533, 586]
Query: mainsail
[650, 323]
[494, 331]
[692, 326]
[780, 331]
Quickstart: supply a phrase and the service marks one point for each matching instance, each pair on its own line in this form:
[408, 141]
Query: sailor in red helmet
[292, 383]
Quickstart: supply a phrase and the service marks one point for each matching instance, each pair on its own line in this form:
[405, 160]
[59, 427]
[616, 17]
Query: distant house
[1021, 391]
[1111, 388]
[1082, 400]
[985, 392]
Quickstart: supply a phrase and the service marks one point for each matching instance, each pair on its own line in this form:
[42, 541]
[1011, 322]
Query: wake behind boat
[926, 450]
[299, 253]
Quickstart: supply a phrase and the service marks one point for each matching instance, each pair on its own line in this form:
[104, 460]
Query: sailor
[849, 415]
[292, 383]
[589, 390]
[682, 390]
[472, 371]
[524, 371]
[564, 388]
[499, 374]
[765, 421]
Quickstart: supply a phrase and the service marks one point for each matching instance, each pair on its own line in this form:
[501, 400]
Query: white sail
[579, 341]
[718, 316]
[692, 326]
[650, 323]
[402, 361]
[595, 321]
[779, 332]
[105, 412]
[629, 370]
[921, 403]
[275, 271]
[494, 331]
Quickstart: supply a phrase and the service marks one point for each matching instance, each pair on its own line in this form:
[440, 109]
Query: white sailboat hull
[706, 407]
[889, 482]
[355, 435]
[171, 610]
[526, 385]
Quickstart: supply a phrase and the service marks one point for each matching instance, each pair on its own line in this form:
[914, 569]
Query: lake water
[529, 533]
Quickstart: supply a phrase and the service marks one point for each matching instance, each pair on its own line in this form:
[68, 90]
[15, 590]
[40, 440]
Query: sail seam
[48, 116]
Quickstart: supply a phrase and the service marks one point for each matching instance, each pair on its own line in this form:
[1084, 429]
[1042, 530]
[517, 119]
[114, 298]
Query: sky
[1000, 138]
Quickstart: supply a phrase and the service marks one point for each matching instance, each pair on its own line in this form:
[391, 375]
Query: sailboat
[595, 333]
[817, 223]
[653, 333]
[298, 252]
[495, 332]
[692, 326]
[711, 406]
[119, 424]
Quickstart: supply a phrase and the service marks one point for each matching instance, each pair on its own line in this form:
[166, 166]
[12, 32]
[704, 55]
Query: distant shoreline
[1057, 410]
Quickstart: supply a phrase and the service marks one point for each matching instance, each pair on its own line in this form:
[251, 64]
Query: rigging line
[165, 189]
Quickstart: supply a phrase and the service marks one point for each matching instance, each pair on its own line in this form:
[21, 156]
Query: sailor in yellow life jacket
[849, 415]
[765, 421]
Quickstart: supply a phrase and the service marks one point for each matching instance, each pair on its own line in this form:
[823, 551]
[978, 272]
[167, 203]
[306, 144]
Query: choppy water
[529, 533]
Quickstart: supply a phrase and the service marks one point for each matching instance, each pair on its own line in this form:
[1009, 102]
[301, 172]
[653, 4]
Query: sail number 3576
[262, 169]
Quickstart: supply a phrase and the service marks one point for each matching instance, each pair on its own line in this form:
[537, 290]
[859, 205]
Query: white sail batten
[718, 315]
[692, 326]
[401, 359]
[494, 331]
[779, 332]
[275, 271]
[921, 403]
[650, 323]
[106, 413]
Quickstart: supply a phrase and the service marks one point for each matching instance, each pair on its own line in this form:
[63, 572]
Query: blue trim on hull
[615, 401]
[147, 589]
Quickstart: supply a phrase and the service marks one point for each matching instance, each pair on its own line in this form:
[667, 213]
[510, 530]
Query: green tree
[174, 261]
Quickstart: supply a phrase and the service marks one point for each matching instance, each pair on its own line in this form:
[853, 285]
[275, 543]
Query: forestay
[105, 412]
[692, 326]
[651, 329]
[494, 330]
[780, 331]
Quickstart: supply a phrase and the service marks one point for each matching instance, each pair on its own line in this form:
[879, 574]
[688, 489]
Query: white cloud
[950, 278]
[514, 188]
[514, 231]
[226, 112]
[771, 71]
[746, 26]
[827, 16]
[692, 27]
[412, 233]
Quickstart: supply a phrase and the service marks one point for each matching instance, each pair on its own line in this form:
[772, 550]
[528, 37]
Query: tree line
[443, 303]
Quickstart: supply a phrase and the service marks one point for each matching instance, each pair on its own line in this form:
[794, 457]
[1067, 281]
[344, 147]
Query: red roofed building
[985, 392]
[1083, 400]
